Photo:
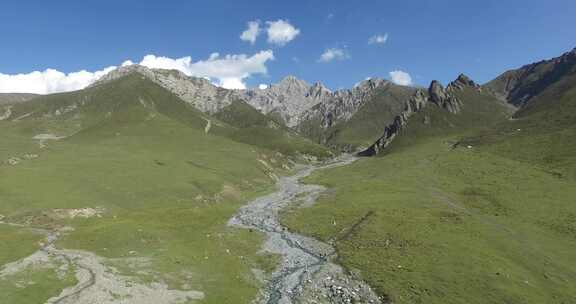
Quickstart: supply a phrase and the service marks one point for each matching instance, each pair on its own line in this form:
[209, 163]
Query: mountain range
[347, 120]
[464, 192]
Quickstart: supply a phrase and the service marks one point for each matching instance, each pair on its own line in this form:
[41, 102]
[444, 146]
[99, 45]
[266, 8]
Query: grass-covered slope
[479, 111]
[252, 127]
[477, 222]
[135, 98]
[124, 101]
[371, 118]
[165, 184]
[365, 124]
[520, 85]
[542, 133]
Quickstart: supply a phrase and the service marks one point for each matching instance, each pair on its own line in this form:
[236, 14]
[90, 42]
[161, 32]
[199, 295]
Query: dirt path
[97, 282]
[307, 273]
[208, 125]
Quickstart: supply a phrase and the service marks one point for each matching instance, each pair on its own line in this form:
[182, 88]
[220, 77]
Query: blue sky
[427, 39]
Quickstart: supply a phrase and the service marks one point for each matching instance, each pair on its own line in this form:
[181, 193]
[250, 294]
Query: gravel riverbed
[306, 273]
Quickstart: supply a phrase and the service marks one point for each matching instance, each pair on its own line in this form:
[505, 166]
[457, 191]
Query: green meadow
[166, 189]
[457, 212]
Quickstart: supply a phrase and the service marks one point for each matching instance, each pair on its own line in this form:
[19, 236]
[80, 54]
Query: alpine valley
[151, 186]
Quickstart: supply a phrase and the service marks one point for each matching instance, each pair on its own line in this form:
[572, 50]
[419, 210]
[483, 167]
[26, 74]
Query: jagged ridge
[441, 97]
[196, 91]
[520, 85]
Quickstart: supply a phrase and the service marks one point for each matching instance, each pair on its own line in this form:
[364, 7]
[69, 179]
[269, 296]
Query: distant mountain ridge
[367, 117]
[135, 95]
[12, 98]
[288, 99]
[309, 109]
[533, 88]
[518, 86]
[295, 100]
[448, 100]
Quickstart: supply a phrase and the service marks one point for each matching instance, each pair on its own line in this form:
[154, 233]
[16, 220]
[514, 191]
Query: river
[307, 273]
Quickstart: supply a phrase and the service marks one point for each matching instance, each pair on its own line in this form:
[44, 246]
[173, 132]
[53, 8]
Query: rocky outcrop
[415, 104]
[437, 95]
[288, 99]
[295, 101]
[462, 82]
[444, 98]
[341, 105]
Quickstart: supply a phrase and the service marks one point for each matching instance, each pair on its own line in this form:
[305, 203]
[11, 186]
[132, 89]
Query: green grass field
[168, 192]
[166, 186]
[16, 243]
[435, 222]
[371, 118]
[366, 123]
[434, 225]
[468, 208]
[34, 285]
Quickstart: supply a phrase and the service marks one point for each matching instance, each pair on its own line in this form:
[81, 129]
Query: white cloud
[378, 39]
[228, 71]
[252, 32]
[262, 86]
[401, 78]
[333, 54]
[49, 81]
[231, 83]
[160, 62]
[280, 32]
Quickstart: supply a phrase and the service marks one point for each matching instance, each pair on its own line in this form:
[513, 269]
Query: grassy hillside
[133, 98]
[365, 125]
[542, 133]
[479, 111]
[255, 128]
[431, 222]
[165, 185]
[520, 86]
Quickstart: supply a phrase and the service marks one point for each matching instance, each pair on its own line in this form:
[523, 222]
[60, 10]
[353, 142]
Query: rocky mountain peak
[292, 83]
[371, 84]
[318, 90]
[124, 71]
[295, 100]
[519, 86]
[289, 98]
[320, 86]
[290, 78]
[436, 91]
[341, 105]
[443, 98]
[462, 82]
[465, 80]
